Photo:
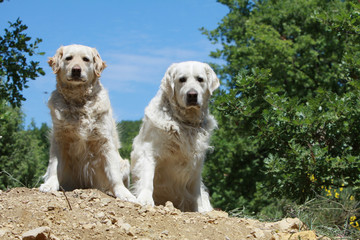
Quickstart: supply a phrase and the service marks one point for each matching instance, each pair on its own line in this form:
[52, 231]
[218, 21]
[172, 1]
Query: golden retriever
[169, 151]
[84, 140]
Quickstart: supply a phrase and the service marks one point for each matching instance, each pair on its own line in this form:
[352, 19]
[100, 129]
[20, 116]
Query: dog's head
[190, 83]
[77, 64]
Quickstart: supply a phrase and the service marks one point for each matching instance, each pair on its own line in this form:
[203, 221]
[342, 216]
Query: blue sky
[138, 40]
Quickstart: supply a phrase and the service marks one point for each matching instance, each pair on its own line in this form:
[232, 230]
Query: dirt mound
[91, 214]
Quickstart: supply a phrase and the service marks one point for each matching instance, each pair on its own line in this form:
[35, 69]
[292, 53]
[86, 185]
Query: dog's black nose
[76, 72]
[192, 97]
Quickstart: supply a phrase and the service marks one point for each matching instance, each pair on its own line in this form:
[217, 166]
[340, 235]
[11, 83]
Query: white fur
[84, 140]
[168, 153]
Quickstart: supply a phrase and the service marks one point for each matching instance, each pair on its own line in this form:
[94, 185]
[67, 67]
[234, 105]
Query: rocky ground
[91, 214]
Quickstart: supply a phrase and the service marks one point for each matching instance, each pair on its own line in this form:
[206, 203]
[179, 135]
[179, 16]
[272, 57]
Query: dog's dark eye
[200, 79]
[182, 79]
[68, 58]
[85, 59]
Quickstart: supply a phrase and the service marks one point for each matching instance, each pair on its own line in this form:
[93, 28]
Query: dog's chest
[78, 124]
[186, 147]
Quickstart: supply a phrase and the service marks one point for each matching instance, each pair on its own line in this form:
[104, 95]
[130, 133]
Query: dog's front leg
[143, 171]
[116, 169]
[203, 200]
[51, 177]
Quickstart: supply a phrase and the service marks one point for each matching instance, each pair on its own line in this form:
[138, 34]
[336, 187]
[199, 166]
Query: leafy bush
[127, 132]
[288, 110]
[23, 153]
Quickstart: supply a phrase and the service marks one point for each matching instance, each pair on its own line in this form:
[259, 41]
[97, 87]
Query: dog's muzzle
[76, 72]
[192, 97]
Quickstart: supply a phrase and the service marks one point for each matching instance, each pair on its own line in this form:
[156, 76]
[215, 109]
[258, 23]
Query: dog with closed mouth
[169, 151]
[84, 139]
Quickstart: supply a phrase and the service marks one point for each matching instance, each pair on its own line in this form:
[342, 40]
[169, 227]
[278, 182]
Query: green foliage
[15, 69]
[332, 212]
[288, 110]
[127, 132]
[23, 153]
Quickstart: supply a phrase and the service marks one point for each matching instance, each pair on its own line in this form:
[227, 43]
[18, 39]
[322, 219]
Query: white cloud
[125, 69]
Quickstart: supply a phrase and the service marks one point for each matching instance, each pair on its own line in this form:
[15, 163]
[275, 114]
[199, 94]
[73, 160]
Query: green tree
[288, 109]
[15, 68]
[23, 153]
[127, 132]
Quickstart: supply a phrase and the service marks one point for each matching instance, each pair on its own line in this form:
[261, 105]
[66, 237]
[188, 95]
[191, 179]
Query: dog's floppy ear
[167, 83]
[214, 82]
[99, 64]
[54, 62]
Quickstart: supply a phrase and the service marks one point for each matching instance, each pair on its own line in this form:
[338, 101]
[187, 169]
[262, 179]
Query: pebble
[217, 214]
[121, 204]
[50, 208]
[3, 231]
[165, 232]
[57, 194]
[41, 233]
[100, 215]
[105, 201]
[89, 226]
[125, 226]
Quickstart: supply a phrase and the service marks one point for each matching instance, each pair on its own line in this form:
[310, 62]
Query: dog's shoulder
[158, 114]
[56, 100]
[100, 103]
[209, 123]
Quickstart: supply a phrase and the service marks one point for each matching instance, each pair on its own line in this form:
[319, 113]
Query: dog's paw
[145, 198]
[124, 194]
[46, 187]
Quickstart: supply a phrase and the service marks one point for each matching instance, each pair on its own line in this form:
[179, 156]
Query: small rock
[257, 233]
[120, 204]
[289, 224]
[93, 198]
[107, 222]
[161, 211]
[89, 226]
[82, 205]
[217, 214]
[305, 235]
[105, 201]
[57, 194]
[169, 204]
[165, 232]
[3, 231]
[125, 226]
[100, 215]
[150, 209]
[51, 208]
[131, 232]
[112, 213]
[142, 210]
[128, 229]
[41, 233]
